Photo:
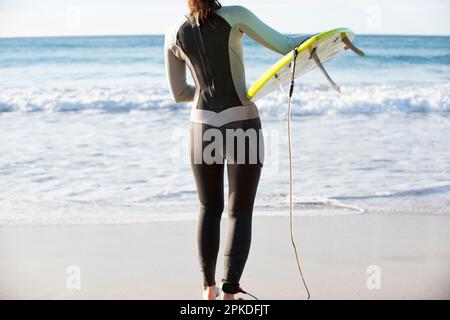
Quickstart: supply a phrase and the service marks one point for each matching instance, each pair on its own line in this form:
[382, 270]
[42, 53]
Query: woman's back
[207, 50]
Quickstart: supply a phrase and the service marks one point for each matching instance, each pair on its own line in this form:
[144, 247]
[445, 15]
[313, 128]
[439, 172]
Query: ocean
[89, 133]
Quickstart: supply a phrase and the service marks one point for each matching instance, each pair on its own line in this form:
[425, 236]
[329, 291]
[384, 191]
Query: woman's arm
[250, 24]
[176, 72]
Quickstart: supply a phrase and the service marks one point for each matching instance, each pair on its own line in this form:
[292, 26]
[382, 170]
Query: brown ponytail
[201, 9]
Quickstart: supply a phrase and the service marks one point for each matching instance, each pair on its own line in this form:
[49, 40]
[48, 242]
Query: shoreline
[159, 260]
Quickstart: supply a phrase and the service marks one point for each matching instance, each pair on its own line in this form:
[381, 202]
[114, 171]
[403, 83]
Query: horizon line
[161, 34]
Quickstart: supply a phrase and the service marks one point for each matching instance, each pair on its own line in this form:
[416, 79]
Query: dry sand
[159, 260]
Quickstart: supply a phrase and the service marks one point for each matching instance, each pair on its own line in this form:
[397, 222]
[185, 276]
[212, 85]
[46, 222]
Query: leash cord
[291, 224]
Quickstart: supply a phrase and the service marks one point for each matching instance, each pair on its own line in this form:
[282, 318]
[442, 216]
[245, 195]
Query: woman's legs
[209, 182]
[243, 178]
[243, 181]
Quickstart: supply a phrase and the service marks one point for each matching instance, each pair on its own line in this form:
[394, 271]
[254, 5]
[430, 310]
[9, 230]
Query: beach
[98, 200]
[159, 260]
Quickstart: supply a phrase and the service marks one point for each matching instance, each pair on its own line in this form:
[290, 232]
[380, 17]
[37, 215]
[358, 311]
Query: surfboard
[310, 53]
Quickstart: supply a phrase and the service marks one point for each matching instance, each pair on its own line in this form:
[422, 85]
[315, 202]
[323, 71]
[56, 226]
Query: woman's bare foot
[229, 296]
[210, 293]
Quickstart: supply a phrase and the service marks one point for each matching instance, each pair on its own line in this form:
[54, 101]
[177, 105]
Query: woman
[209, 42]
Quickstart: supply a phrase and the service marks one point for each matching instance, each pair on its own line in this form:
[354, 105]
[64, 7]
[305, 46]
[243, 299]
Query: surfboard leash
[291, 224]
[240, 290]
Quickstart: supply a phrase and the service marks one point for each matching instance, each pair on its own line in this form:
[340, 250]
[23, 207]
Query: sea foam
[308, 100]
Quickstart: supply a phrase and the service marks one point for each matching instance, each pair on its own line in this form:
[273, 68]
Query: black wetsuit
[221, 114]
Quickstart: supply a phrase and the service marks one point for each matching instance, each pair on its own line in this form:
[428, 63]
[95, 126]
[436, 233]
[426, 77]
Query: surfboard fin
[324, 72]
[351, 46]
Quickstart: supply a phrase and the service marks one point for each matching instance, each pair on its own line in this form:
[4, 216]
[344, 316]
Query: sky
[25, 18]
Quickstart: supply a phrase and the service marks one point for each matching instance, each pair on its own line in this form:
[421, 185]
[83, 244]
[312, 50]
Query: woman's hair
[201, 9]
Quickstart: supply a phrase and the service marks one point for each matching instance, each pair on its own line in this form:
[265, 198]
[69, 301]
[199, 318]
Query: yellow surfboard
[325, 45]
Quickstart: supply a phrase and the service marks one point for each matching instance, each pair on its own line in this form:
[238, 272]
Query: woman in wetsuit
[225, 125]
